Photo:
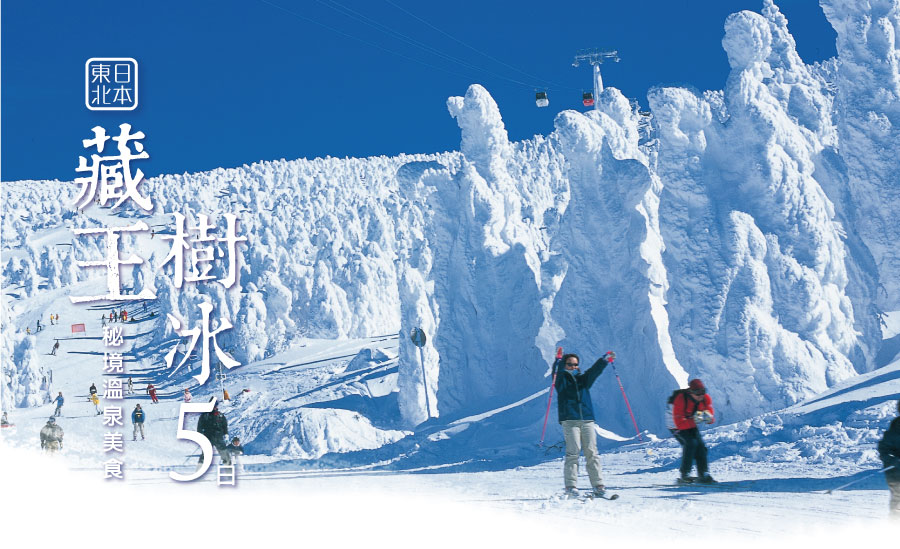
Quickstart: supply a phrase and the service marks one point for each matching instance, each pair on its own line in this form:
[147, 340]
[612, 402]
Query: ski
[610, 497]
[589, 495]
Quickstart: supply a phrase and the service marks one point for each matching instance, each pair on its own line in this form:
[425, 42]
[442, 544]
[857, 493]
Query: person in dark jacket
[137, 418]
[576, 414]
[214, 427]
[689, 408]
[889, 451]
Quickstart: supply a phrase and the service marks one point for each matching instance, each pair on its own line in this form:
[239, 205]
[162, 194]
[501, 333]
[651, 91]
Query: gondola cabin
[588, 99]
[541, 99]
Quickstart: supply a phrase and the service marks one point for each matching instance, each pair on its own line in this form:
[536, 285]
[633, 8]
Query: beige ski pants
[581, 436]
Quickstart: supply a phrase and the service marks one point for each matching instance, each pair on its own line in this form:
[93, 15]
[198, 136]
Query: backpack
[674, 394]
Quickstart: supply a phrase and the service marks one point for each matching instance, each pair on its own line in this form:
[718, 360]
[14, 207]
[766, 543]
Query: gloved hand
[610, 356]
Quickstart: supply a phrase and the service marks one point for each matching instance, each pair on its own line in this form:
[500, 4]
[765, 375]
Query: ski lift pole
[417, 335]
[841, 487]
[550, 398]
[627, 404]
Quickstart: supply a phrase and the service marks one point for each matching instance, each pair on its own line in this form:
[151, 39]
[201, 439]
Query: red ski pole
[550, 399]
[636, 430]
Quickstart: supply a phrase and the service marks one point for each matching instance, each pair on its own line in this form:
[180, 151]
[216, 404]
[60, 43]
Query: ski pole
[861, 478]
[634, 421]
[550, 399]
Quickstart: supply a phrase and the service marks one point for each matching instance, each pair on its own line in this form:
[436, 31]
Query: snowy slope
[741, 240]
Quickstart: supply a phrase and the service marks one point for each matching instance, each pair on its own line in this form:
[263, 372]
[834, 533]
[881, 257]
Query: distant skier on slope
[151, 390]
[96, 401]
[187, 395]
[690, 407]
[576, 414]
[51, 436]
[93, 389]
[233, 450]
[137, 418]
[214, 427]
[889, 451]
[130, 386]
[55, 348]
[59, 404]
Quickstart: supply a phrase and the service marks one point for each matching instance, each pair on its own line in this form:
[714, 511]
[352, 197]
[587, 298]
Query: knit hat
[696, 386]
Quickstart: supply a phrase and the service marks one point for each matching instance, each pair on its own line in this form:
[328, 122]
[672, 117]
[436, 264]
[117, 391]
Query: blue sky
[229, 83]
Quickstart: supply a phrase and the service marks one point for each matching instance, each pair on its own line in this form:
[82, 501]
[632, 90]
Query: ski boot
[705, 478]
[571, 493]
[685, 479]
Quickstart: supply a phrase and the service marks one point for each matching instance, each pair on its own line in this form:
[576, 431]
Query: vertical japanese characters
[110, 182]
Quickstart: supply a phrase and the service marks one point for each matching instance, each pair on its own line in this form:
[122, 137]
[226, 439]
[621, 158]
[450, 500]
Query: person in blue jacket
[137, 418]
[59, 404]
[576, 414]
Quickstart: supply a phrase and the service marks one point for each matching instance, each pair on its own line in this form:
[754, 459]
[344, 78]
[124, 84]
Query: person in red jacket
[690, 407]
[151, 390]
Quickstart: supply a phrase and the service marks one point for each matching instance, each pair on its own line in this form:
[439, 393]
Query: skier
[39, 327]
[55, 348]
[111, 317]
[690, 407]
[187, 395]
[96, 400]
[124, 315]
[233, 450]
[115, 316]
[51, 436]
[103, 320]
[4, 420]
[93, 389]
[576, 414]
[130, 386]
[151, 390]
[889, 451]
[214, 427]
[137, 417]
[59, 404]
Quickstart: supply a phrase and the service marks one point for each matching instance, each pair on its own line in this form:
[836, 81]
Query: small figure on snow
[889, 451]
[39, 327]
[4, 420]
[214, 427]
[233, 450]
[690, 407]
[187, 395]
[576, 414]
[124, 315]
[59, 404]
[55, 348]
[93, 389]
[51, 436]
[130, 386]
[151, 390]
[112, 317]
[137, 418]
[96, 401]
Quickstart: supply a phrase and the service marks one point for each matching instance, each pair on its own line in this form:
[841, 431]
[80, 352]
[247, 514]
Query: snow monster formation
[755, 252]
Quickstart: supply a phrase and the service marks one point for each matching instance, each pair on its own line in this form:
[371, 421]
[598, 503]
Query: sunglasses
[571, 364]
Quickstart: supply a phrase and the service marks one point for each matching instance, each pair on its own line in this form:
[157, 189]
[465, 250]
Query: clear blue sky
[232, 82]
